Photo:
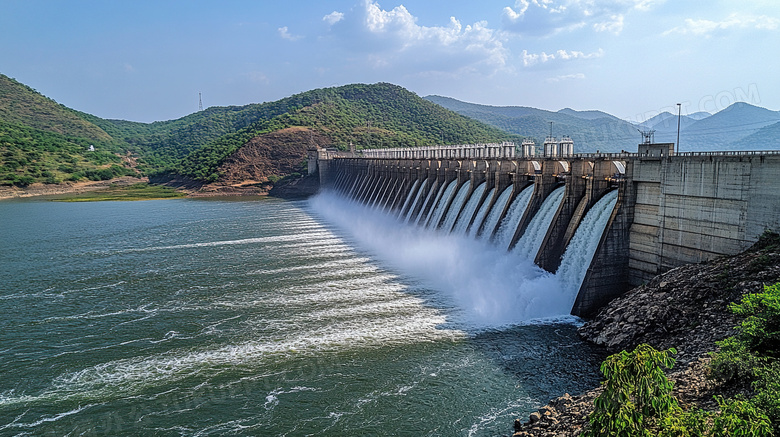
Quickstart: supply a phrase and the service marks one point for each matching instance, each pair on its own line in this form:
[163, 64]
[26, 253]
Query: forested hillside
[44, 141]
[369, 116]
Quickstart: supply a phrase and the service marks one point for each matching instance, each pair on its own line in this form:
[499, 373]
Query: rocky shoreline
[297, 188]
[39, 189]
[685, 308]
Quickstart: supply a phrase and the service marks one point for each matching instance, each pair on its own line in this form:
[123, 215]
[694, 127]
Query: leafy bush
[740, 418]
[636, 393]
[751, 355]
[638, 401]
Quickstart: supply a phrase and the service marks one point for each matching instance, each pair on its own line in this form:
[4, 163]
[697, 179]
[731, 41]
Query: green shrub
[740, 418]
[636, 393]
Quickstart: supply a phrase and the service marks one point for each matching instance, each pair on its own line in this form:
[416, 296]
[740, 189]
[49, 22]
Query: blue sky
[148, 60]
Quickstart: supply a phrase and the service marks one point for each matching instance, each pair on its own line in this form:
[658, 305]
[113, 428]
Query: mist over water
[491, 287]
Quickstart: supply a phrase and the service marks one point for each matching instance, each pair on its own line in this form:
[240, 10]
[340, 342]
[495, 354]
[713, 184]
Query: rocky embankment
[685, 308]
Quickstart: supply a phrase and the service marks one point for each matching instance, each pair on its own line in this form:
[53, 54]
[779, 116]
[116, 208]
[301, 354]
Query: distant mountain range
[741, 126]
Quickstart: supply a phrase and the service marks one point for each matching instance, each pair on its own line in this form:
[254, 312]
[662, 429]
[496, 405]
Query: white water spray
[456, 206]
[409, 196]
[583, 245]
[468, 210]
[416, 200]
[441, 205]
[495, 213]
[431, 192]
[508, 226]
[529, 244]
[481, 214]
[489, 286]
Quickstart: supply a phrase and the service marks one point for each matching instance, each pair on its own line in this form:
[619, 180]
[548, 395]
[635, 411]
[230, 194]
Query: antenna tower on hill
[200, 103]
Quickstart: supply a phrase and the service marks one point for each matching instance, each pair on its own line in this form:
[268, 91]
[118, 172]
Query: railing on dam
[507, 150]
[504, 150]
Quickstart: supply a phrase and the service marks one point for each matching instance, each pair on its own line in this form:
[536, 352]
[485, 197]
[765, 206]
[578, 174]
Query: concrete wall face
[693, 209]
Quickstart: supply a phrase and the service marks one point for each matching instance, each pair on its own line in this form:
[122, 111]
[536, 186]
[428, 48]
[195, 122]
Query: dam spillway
[668, 209]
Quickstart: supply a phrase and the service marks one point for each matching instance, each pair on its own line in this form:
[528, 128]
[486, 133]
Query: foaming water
[481, 214]
[492, 287]
[417, 194]
[431, 192]
[468, 210]
[457, 205]
[441, 204]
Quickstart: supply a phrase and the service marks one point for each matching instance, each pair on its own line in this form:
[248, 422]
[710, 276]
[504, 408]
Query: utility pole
[679, 111]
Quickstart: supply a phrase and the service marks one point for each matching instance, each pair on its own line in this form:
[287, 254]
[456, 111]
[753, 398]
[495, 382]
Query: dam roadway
[671, 209]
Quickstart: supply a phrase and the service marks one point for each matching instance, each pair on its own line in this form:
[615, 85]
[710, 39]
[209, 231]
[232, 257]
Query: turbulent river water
[267, 317]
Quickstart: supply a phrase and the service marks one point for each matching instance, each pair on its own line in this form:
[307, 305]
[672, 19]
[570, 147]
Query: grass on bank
[140, 191]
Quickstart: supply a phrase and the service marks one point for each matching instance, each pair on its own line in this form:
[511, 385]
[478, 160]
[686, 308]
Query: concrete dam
[606, 222]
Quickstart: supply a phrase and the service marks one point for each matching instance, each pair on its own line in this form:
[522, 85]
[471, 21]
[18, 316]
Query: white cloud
[547, 17]
[285, 34]
[733, 21]
[257, 77]
[575, 76]
[394, 39]
[613, 25]
[333, 18]
[531, 59]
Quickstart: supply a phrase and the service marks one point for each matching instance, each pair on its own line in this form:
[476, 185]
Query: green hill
[369, 116]
[766, 138]
[22, 105]
[43, 141]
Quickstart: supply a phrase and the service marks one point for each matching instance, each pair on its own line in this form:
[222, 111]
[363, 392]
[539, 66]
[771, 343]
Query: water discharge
[482, 213]
[455, 208]
[409, 196]
[491, 221]
[583, 245]
[431, 192]
[468, 210]
[506, 230]
[532, 238]
[490, 286]
[441, 205]
[416, 200]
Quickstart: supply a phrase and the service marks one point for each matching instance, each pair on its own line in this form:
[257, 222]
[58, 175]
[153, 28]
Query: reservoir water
[267, 317]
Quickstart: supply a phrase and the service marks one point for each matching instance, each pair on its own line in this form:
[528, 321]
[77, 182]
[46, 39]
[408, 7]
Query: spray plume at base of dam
[490, 285]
